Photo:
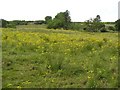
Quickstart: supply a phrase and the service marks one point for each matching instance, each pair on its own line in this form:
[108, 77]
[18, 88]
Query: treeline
[63, 21]
[14, 23]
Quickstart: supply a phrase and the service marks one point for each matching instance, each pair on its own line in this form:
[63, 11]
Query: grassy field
[43, 58]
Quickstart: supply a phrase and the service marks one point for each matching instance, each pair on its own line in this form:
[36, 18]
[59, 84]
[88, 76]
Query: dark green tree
[97, 19]
[48, 19]
[4, 23]
[61, 20]
[117, 25]
[67, 19]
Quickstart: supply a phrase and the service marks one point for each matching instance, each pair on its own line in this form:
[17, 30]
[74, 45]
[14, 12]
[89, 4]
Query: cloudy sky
[80, 10]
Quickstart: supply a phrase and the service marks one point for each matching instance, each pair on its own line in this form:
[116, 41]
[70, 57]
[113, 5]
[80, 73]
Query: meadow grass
[46, 58]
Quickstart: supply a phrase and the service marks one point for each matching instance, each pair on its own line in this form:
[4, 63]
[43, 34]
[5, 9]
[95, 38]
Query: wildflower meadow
[46, 58]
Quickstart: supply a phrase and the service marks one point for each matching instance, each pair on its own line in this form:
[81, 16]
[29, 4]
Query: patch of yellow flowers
[67, 41]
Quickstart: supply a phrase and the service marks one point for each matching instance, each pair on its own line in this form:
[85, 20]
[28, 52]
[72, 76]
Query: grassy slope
[39, 57]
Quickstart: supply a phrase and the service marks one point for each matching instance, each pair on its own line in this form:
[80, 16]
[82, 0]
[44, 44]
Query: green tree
[61, 20]
[97, 19]
[4, 23]
[117, 25]
[48, 19]
[95, 25]
[67, 19]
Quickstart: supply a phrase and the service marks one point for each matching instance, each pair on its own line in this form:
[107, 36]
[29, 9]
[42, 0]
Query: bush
[94, 25]
[117, 25]
[103, 29]
[54, 24]
[11, 26]
[111, 28]
[4, 23]
[75, 26]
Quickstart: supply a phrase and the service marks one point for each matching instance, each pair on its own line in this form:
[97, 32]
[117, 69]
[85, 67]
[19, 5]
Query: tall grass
[50, 58]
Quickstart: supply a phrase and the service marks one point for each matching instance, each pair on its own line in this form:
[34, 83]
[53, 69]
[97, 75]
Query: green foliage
[48, 19]
[111, 28]
[61, 20]
[11, 25]
[14, 23]
[103, 29]
[39, 22]
[109, 22]
[75, 26]
[4, 23]
[56, 23]
[117, 25]
[8, 24]
[19, 22]
[95, 25]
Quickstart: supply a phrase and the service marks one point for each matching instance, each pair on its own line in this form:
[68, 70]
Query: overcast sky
[80, 10]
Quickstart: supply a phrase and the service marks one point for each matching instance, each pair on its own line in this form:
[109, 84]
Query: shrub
[4, 23]
[75, 26]
[94, 25]
[111, 28]
[11, 26]
[117, 25]
[103, 29]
